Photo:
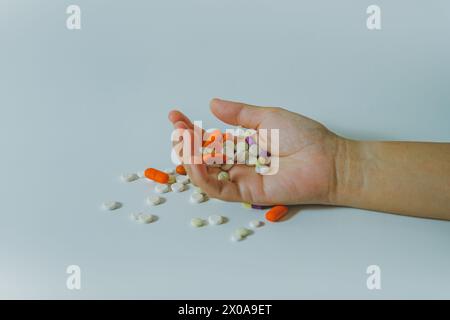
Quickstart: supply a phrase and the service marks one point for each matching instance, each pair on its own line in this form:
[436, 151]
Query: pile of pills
[239, 147]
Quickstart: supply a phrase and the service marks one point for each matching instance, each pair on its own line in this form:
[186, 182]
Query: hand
[307, 158]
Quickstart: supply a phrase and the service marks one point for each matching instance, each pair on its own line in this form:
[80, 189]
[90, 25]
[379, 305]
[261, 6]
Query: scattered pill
[197, 197]
[156, 175]
[197, 222]
[215, 219]
[236, 237]
[162, 188]
[255, 224]
[180, 170]
[276, 213]
[223, 176]
[182, 179]
[169, 170]
[111, 205]
[172, 179]
[178, 187]
[129, 177]
[154, 200]
[244, 232]
[146, 218]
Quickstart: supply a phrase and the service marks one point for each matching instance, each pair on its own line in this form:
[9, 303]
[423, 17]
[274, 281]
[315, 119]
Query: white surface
[78, 108]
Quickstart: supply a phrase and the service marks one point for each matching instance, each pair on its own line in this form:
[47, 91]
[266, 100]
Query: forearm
[410, 178]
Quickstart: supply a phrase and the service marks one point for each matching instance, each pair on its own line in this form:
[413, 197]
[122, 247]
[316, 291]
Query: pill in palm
[162, 188]
[182, 179]
[178, 187]
[197, 222]
[111, 205]
[197, 197]
[223, 176]
[215, 219]
[154, 200]
[129, 177]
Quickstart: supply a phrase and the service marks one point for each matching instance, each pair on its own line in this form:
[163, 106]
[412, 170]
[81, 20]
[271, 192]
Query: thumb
[236, 113]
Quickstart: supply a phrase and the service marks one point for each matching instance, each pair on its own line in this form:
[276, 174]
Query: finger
[177, 116]
[236, 113]
[207, 181]
[180, 125]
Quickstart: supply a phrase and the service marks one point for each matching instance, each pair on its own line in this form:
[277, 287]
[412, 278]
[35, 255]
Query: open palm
[306, 158]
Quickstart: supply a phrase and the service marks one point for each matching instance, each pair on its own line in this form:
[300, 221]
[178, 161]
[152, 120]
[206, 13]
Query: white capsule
[111, 205]
[197, 197]
[146, 218]
[154, 200]
[215, 219]
[162, 188]
[182, 179]
[255, 224]
[223, 176]
[197, 222]
[226, 167]
[129, 177]
[178, 187]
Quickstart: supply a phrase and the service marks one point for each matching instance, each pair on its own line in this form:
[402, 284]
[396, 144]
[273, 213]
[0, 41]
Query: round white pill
[146, 218]
[197, 222]
[236, 237]
[129, 177]
[154, 200]
[169, 170]
[223, 176]
[215, 219]
[197, 197]
[182, 179]
[243, 232]
[111, 205]
[262, 169]
[162, 188]
[178, 187]
[255, 224]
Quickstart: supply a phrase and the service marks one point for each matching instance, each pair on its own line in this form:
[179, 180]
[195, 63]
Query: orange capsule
[156, 175]
[276, 213]
[180, 170]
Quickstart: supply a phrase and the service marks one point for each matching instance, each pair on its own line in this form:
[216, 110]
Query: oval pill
[178, 187]
[129, 177]
[276, 213]
[182, 179]
[154, 200]
[146, 218]
[255, 224]
[111, 205]
[197, 197]
[162, 188]
[197, 222]
[215, 219]
[156, 175]
[180, 170]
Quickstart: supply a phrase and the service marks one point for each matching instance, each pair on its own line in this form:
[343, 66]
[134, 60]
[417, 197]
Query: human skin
[317, 166]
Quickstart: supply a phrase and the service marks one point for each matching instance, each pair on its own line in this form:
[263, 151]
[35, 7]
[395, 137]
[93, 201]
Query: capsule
[156, 175]
[276, 213]
[181, 170]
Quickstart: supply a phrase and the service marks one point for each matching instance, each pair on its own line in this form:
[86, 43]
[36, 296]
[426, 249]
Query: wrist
[349, 172]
